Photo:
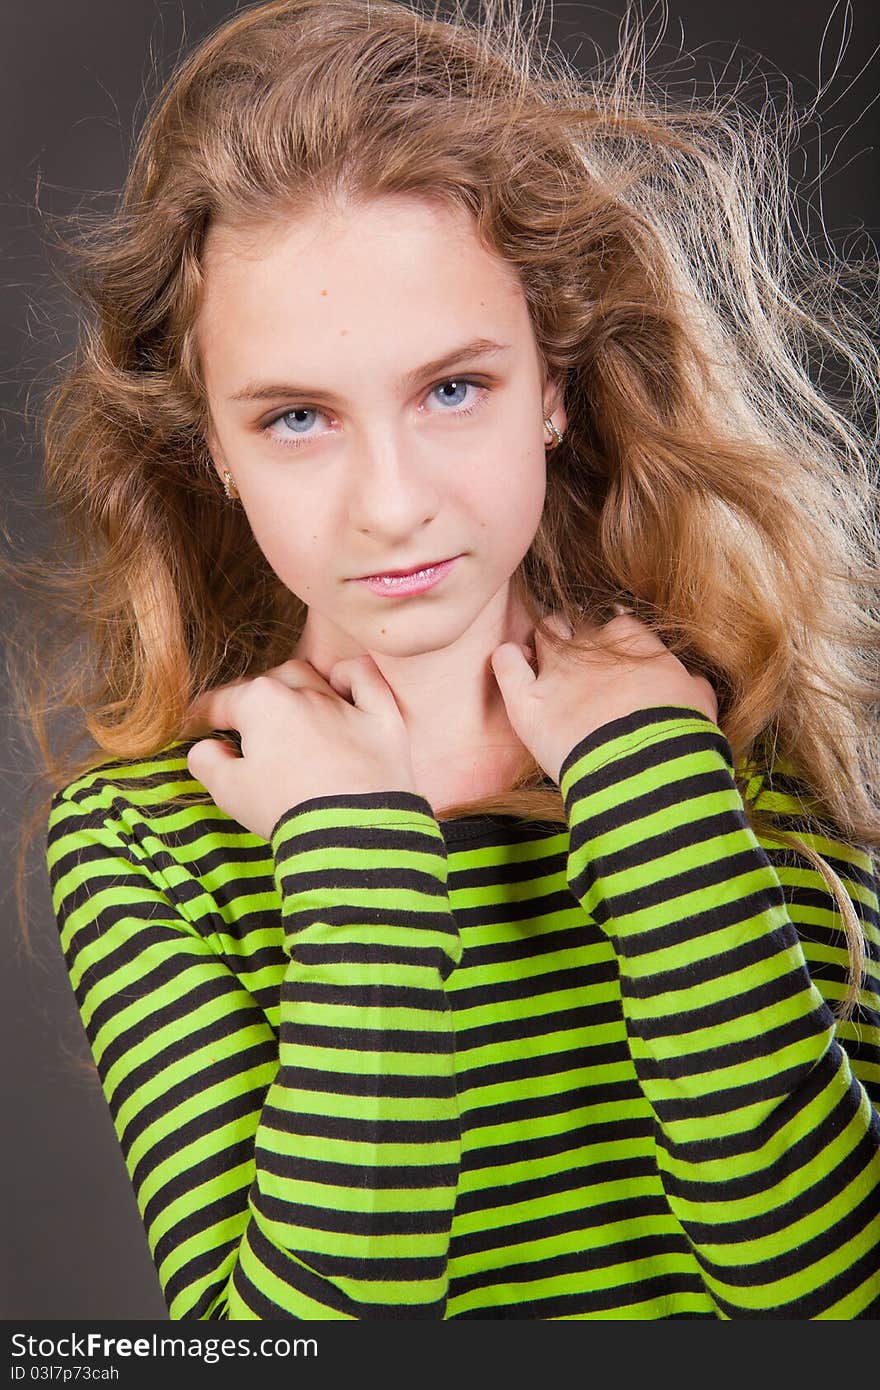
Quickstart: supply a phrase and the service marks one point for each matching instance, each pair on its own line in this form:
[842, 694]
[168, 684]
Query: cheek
[289, 534]
[513, 501]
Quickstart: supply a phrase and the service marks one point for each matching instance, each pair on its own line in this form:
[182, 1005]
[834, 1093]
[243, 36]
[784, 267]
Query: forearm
[358, 1146]
[264, 1157]
[767, 1144]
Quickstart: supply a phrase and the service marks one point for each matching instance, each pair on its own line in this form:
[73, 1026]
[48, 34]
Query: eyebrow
[479, 347]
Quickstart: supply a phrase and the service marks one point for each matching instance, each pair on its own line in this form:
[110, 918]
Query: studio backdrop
[77, 75]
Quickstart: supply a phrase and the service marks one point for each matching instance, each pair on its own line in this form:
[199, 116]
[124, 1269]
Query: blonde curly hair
[668, 285]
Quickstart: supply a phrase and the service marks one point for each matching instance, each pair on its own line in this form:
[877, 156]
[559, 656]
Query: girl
[470, 902]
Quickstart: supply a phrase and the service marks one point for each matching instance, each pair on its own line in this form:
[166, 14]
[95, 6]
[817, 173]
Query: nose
[393, 490]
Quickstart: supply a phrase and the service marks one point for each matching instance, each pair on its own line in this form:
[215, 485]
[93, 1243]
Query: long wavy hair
[706, 479]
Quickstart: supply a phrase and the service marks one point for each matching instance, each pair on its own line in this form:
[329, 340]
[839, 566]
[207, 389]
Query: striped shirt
[385, 1066]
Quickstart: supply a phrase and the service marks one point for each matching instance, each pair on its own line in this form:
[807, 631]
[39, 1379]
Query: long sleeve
[767, 1140]
[359, 1144]
[308, 1172]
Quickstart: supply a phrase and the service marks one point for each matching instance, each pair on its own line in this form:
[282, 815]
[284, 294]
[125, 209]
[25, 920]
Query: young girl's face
[375, 390]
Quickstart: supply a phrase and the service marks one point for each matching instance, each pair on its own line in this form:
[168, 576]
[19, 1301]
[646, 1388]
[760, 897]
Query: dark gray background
[73, 77]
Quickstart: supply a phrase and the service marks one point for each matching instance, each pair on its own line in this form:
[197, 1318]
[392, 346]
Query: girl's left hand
[573, 693]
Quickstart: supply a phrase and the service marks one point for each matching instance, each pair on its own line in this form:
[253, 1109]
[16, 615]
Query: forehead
[351, 284]
[394, 234]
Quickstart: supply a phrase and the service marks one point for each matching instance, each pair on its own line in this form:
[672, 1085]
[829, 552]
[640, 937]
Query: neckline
[470, 827]
[483, 823]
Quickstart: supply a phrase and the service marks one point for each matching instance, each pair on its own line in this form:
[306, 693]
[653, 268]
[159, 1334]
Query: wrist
[623, 734]
[394, 807]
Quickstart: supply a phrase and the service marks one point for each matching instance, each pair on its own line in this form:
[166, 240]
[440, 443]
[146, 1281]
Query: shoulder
[152, 785]
[791, 805]
[780, 786]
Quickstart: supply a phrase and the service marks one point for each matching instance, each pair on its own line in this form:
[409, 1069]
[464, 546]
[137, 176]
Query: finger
[208, 762]
[359, 680]
[197, 719]
[213, 710]
[512, 670]
[193, 724]
[301, 675]
[623, 632]
[220, 708]
[558, 624]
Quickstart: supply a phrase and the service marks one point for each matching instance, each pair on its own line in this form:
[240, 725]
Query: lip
[407, 583]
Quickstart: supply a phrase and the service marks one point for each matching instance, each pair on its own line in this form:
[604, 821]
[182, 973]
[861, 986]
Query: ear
[554, 403]
[218, 458]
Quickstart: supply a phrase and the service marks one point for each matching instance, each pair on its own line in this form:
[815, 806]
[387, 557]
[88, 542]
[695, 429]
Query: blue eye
[458, 385]
[292, 419]
[290, 415]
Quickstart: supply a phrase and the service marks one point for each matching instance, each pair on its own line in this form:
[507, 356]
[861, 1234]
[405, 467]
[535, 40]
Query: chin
[416, 646]
[414, 636]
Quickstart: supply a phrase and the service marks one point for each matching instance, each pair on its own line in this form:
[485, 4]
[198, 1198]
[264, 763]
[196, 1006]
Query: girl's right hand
[301, 737]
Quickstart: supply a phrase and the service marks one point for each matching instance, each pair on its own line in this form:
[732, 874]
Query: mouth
[410, 581]
[407, 573]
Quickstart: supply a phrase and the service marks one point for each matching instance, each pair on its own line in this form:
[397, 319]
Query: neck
[447, 695]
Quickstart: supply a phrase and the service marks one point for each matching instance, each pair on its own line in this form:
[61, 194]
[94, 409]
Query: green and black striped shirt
[385, 1066]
